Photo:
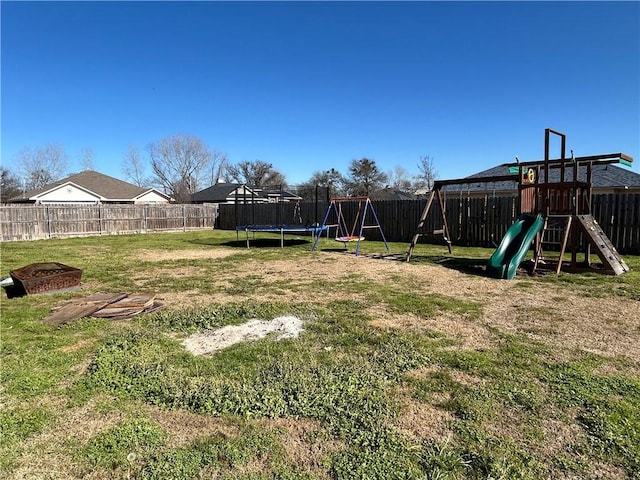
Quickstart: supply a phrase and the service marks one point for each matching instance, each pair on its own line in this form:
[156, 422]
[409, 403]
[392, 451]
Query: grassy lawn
[427, 370]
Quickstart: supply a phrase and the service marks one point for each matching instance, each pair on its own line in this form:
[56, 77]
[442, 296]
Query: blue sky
[309, 86]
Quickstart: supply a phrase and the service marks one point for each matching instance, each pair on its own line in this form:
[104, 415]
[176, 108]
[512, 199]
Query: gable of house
[236, 192]
[151, 196]
[91, 187]
[68, 192]
[226, 193]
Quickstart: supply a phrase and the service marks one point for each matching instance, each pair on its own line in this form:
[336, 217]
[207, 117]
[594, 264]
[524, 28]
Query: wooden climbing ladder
[560, 224]
[603, 247]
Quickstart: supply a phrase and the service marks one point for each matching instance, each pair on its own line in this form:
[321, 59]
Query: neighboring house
[422, 192]
[91, 188]
[392, 194]
[605, 179]
[237, 192]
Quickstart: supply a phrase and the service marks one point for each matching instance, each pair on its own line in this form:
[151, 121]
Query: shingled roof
[104, 186]
[603, 177]
[217, 193]
[227, 192]
[392, 194]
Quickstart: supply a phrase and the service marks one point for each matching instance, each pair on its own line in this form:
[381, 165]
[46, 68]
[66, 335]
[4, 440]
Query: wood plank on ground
[126, 307]
[82, 307]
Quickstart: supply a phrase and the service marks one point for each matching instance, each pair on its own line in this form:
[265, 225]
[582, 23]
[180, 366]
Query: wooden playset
[559, 190]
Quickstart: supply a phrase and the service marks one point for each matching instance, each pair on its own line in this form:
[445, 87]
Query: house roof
[276, 192]
[603, 177]
[104, 186]
[220, 192]
[392, 194]
[216, 193]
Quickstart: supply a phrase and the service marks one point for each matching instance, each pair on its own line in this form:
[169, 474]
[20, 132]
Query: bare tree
[42, 165]
[86, 158]
[364, 177]
[133, 167]
[181, 164]
[399, 179]
[9, 185]
[218, 171]
[256, 174]
[428, 173]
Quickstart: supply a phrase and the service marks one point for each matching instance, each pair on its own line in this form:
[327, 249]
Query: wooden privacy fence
[473, 221]
[61, 221]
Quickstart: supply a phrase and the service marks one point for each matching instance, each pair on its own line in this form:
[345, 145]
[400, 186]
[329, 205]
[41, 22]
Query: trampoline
[281, 229]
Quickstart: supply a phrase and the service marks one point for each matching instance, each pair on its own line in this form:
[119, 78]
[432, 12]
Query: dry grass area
[555, 316]
[145, 255]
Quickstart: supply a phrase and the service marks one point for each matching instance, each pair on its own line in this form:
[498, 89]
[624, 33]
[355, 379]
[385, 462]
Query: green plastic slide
[514, 246]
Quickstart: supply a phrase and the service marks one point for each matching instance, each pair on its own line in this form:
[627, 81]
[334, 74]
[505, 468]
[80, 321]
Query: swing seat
[444, 237]
[349, 238]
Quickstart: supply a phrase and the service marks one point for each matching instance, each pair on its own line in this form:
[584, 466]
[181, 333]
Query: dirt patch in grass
[184, 427]
[195, 254]
[77, 346]
[304, 443]
[180, 273]
[423, 421]
[193, 299]
[424, 372]
[601, 471]
[559, 436]
[148, 279]
[469, 335]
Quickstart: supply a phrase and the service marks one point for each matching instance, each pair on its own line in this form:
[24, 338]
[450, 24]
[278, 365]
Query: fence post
[46, 213]
[184, 217]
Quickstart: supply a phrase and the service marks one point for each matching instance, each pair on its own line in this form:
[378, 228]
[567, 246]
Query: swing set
[336, 217]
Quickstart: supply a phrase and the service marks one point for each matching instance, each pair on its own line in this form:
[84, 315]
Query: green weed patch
[16, 425]
[608, 409]
[123, 446]
[137, 449]
[430, 305]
